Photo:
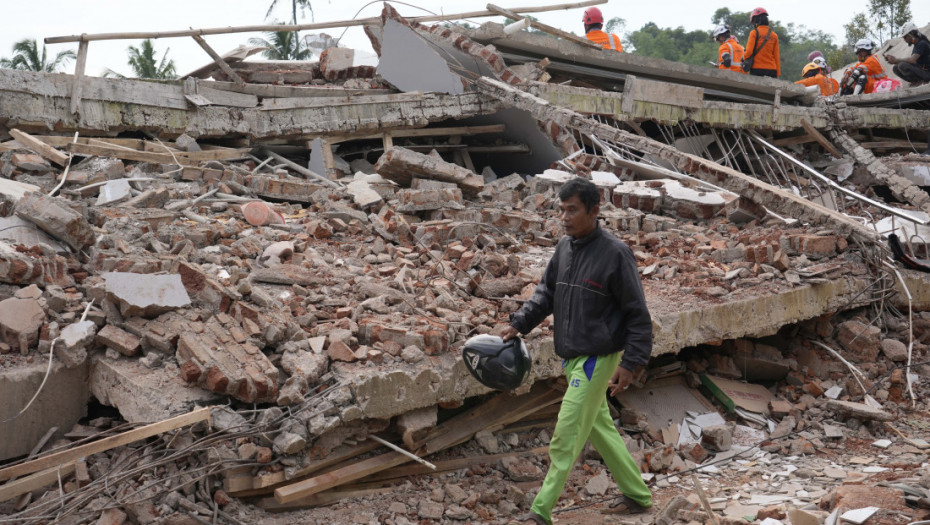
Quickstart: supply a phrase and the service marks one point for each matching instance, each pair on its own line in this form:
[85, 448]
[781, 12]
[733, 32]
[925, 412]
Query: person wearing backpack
[761, 57]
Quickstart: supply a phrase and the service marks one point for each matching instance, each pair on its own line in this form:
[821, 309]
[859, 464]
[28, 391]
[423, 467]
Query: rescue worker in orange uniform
[730, 54]
[593, 22]
[814, 75]
[861, 77]
[761, 57]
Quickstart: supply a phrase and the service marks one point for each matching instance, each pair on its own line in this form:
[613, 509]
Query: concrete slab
[142, 395]
[410, 64]
[62, 402]
[146, 295]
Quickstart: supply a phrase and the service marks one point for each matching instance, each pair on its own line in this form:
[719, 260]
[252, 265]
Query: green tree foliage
[303, 4]
[881, 21]
[26, 56]
[283, 45]
[698, 47]
[144, 63]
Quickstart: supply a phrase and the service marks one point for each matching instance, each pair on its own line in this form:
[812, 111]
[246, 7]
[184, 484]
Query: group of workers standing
[761, 56]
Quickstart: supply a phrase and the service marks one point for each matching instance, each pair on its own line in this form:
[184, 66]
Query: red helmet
[758, 11]
[592, 15]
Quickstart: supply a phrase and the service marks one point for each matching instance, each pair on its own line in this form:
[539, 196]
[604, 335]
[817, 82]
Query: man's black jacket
[592, 288]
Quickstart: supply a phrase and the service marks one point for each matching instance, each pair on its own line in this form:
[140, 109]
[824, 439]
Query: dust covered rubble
[344, 286]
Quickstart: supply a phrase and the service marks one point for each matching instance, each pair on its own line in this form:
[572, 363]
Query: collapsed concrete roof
[363, 280]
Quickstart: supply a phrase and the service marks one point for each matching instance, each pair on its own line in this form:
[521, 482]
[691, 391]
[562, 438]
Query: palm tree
[26, 56]
[283, 45]
[144, 64]
[304, 4]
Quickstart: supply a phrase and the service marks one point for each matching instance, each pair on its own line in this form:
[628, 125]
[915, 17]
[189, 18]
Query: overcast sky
[46, 18]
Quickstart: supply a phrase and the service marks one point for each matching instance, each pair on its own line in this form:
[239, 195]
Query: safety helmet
[592, 15]
[758, 11]
[808, 68]
[863, 43]
[499, 364]
[722, 29]
[908, 28]
[819, 62]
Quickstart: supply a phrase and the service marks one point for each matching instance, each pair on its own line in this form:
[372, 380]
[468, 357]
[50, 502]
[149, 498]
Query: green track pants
[584, 415]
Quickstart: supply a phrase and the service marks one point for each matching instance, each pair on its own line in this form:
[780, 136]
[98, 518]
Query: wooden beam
[423, 132]
[449, 465]
[39, 147]
[44, 462]
[120, 153]
[304, 27]
[554, 31]
[827, 145]
[35, 481]
[492, 415]
[219, 60]
[321, 499]
[78, 83]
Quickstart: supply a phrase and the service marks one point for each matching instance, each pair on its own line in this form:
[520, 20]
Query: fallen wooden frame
[492, 415]
[35, 481]
[58, 458]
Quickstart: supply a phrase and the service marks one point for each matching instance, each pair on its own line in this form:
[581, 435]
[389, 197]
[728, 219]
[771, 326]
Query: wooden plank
[492, 415]
[201, 414]
[554, 31]
[827, 145]
[39, 147]
[120, 153]
[449, 465]
[35, 481]
[77, 86]
[219, 60]
[321, 499]
[304, 27]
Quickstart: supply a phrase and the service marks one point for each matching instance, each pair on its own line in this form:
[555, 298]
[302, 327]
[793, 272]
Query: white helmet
[907, 28]
[864, 43]
[819, 62]
[721, 30]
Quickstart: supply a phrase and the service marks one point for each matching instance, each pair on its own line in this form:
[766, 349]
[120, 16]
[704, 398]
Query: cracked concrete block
[363, 194]
[71, 344]
[403, 165]
[20, 321]
[415, 424]
[308, 365]
[638, 195]
[30, 162]
[56, 218]
[289, 443]
[409, 201]
[861, 341]
[146, 295]
[113, 192]
[277, 253]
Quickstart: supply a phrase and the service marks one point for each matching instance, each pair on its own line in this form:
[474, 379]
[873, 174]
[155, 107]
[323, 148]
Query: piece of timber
[77, 82]
[39, 147]
[35, 481]
[730, 115]
[304, 27]
[497, 412]
[321, 499]
[424, 132]
[218, 60]
[782, 202]
[44, 462]
[121, 153]
[827, 145]
[112, 90]
[209, 152]
[37, 110]
[449, 465]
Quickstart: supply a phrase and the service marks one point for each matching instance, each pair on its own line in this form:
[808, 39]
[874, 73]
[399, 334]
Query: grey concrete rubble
[306, 252]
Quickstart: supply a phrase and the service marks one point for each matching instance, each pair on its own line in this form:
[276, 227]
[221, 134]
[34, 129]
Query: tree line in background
[879, 22]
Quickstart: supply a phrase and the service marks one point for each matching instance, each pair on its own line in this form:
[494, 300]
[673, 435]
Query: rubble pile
[265, 312]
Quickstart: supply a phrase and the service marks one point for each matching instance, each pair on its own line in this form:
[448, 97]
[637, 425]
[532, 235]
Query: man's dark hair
[585, 190]
[591, 27]
[762, 20]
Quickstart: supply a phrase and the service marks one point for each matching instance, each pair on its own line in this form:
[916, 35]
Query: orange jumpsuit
[605, 40]
[828, 86]
[731, 46]
[875, 71]
[768, 56]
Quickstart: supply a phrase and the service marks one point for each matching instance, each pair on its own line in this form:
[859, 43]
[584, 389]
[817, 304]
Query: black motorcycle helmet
[495, 363]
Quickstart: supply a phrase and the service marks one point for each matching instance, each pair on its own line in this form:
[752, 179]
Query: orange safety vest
[731, 46]
[768, 56]
[605, 40]
[875, 71]
[828, 86]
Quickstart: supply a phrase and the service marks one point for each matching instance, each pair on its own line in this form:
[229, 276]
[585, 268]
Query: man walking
[603, 332]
